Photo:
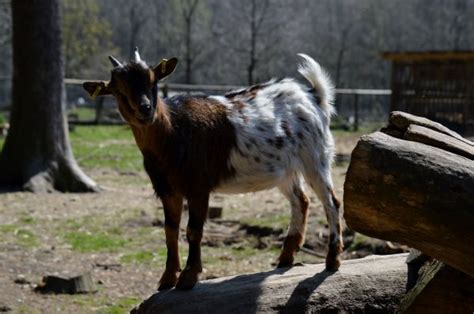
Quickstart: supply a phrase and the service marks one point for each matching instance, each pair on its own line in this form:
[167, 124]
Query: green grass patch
[93, 242]
[26, 237]
[141, 257]
[243, 251]
[20, 236]
[102, 305]
[110, 147]
[8, 228]
[83, 113]
[124, 305]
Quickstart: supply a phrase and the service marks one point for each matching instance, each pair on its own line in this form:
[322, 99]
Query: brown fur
[191, 157]
[294, 242]
[335, 200]
[185, 147]
[334, 248]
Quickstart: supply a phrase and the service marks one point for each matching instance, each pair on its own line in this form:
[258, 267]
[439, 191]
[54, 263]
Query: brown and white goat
[269, 135]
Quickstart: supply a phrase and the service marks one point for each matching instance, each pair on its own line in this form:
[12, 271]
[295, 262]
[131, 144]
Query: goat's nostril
[145, 108]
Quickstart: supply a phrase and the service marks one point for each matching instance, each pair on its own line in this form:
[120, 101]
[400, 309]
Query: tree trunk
[253, 44]
[370, 284]
[37, 155]
[188, 21]
[418, 194]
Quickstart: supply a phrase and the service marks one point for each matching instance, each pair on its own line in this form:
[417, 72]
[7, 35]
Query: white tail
[320, 81]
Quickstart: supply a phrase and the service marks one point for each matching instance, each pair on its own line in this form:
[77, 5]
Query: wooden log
[402, 120]
[374, 283]
[440, 289]
[427, 136]
[414, 194]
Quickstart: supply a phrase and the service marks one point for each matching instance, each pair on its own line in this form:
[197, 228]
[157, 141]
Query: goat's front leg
[198, 207]
[173, 206]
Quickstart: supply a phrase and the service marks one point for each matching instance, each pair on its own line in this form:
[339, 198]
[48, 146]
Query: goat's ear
[96, 88]
[165, 68]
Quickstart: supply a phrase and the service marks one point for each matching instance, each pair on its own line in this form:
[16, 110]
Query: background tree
[242, 42]
[85, 37]
[185, 33]
[252, 31]
[5, 55]
[37, 155]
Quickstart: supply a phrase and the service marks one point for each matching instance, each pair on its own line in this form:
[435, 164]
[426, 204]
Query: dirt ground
[117, 235]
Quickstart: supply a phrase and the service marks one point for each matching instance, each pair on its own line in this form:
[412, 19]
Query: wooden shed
[438, 85]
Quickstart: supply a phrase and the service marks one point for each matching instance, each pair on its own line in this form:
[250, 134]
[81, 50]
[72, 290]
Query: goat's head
[135, 85]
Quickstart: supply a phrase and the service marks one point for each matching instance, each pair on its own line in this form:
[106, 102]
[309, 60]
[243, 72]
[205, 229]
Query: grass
[141, 257]
[103, 306]
[106, 147]
[124, 305]
[21, 236]
[94, 242]
[83, 113]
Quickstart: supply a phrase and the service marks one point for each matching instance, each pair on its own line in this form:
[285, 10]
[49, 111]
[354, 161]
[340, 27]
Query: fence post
[356, 112]
[164, 90]
[99, 109]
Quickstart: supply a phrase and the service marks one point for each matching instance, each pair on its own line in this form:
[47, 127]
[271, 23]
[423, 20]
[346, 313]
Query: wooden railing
[172, 88]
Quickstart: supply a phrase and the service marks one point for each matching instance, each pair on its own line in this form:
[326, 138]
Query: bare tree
[188, 15]
[37, 155]
[251, 29]
[5, 54]
[186, 34]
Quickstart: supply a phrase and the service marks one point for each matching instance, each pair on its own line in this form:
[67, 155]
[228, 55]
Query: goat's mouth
[144, 119]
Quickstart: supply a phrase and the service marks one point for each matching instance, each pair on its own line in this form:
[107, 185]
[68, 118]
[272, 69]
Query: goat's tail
[320, 81]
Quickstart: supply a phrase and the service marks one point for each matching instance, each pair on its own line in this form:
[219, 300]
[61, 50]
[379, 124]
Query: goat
[268, 135]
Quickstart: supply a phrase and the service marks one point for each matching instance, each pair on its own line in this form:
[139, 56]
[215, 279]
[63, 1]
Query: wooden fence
[169, 89]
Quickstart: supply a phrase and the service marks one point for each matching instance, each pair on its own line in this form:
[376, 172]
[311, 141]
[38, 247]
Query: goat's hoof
[168, 280]
[187, 280]
[285, 262]
[332, 264]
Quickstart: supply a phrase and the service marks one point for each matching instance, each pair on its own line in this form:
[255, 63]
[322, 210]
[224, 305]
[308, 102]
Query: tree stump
[74, 285]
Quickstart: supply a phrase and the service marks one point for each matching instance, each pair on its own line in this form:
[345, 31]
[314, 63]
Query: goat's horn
[136, 55]
[115, 62]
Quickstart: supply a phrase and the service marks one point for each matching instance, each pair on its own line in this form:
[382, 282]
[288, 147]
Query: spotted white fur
[283, 135]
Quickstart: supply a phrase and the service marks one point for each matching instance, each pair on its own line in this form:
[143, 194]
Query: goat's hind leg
[299, 203]
[173, 206]
[319, 178]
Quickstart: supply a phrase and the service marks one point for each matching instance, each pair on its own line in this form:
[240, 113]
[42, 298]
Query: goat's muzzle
[145, 111]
